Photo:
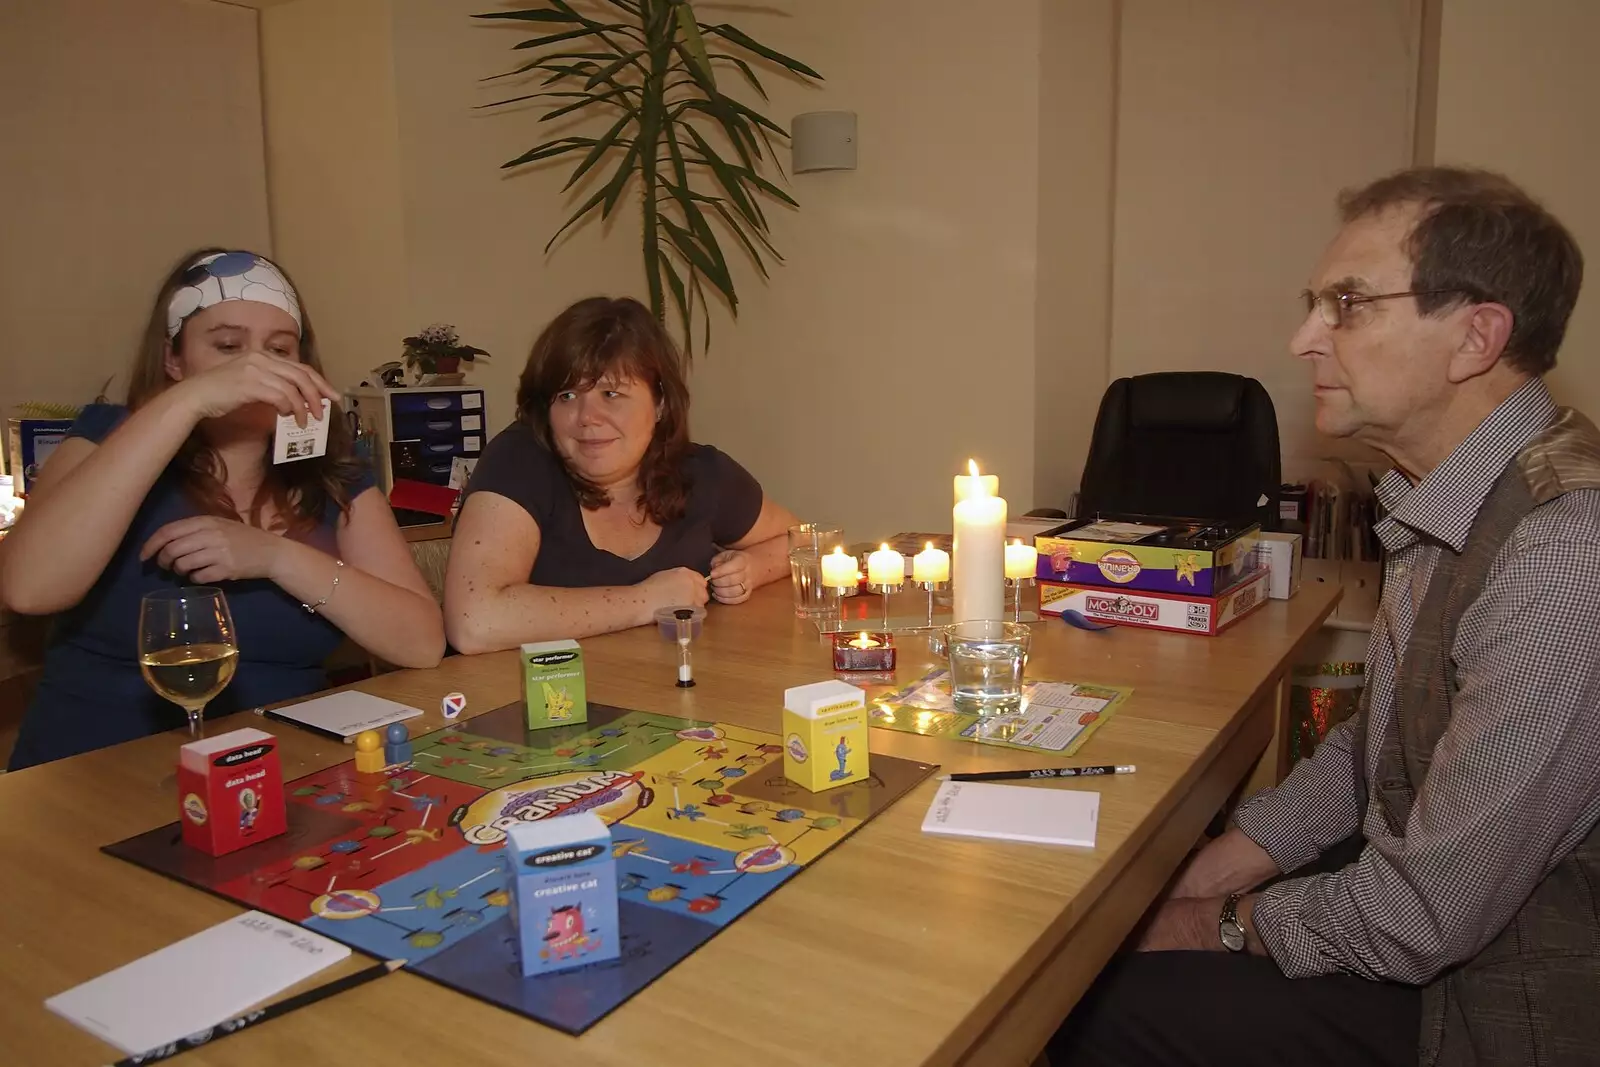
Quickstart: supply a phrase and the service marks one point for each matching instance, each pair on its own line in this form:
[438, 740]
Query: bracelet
[312, 608]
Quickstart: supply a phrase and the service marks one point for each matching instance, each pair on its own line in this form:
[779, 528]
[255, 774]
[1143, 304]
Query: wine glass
[187, 650]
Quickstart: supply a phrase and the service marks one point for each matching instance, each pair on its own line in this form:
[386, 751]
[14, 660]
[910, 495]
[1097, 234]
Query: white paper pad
[345, 714]
[196, 983]
[1041, 814]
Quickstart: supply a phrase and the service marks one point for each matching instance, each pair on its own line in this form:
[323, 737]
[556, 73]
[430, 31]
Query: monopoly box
[1160, 611]
[1180, 556]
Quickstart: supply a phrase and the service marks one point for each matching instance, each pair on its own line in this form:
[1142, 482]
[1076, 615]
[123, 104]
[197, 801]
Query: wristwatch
[1229, 926]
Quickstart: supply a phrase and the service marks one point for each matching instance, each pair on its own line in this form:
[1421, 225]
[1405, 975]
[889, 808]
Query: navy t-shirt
[724, 503]
[91, 693]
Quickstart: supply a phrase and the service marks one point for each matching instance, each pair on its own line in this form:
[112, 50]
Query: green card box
[553, 684]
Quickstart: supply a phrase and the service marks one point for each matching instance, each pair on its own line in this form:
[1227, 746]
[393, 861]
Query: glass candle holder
[865, 650]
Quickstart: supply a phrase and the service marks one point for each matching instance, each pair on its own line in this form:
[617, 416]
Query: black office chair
[1197, 444]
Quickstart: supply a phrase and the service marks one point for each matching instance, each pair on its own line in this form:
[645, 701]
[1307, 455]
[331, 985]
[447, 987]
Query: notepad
[1041, 814]
[196, 983]
[345, 714]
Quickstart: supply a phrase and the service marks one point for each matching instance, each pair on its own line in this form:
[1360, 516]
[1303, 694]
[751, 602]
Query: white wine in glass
[187, 650]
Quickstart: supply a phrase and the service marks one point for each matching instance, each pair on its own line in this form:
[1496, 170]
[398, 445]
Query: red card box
[230, 790]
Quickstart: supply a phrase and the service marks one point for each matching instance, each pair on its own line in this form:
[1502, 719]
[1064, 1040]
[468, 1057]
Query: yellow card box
[553, 684]
[824, 735]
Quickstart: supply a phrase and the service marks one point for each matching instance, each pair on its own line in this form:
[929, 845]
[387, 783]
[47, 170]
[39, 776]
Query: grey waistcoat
[1532, 996]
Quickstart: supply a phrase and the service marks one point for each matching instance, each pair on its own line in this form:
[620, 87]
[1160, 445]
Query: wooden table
[895, 948]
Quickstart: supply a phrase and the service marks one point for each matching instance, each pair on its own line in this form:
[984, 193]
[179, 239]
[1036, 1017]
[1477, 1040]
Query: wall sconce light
[823, 140]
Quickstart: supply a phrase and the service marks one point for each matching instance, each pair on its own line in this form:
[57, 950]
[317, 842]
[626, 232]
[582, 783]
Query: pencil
[1043, 772]
[261, 1015]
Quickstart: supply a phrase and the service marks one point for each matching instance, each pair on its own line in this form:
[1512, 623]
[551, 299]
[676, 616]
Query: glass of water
[808, 542]
[986, 661]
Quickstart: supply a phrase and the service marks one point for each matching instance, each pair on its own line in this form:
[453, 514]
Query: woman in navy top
[178, 488]
[594, 509]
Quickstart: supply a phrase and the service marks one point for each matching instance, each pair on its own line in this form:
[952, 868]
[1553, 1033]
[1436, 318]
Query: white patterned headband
[230, 276]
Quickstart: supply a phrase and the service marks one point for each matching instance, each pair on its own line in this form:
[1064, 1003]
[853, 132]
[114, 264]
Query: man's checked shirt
[1515, 781]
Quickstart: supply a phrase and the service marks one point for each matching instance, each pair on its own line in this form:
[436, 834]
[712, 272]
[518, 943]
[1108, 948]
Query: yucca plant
[653, 68]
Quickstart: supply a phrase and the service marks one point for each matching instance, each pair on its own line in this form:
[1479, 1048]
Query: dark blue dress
[91, 693]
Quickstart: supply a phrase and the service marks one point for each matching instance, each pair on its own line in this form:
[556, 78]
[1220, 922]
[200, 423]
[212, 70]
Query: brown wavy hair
[595, 337]
[301, 491]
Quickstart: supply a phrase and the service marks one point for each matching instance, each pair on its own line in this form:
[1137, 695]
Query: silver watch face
[1233, 937]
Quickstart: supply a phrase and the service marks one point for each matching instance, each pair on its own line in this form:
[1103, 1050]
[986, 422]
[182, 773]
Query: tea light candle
[978, 566]
[1022, 561]
[886, 567]
[867, 651]
[839, 571]
[930, 565]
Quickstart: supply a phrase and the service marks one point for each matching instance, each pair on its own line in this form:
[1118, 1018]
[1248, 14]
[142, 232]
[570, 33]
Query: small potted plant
[437, 353]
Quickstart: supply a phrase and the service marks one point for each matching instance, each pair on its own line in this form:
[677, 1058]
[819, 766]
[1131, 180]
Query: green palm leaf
[651, 65]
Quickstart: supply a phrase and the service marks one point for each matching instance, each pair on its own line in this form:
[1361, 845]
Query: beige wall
[1519, 91]
[333, 161]
[1148, 196]
[476, 233]
[899, 337]
[1077, 195]
[388, 199]
[130, 133]
[916, 271]
[1238, 122]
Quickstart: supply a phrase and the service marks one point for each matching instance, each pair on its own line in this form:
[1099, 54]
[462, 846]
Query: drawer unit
[437, 427]
[435, 400]
[417, 432]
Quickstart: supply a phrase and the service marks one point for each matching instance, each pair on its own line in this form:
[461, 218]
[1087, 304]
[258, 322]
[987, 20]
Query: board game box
[1157, 555]
[1160, 611]
[412, 863]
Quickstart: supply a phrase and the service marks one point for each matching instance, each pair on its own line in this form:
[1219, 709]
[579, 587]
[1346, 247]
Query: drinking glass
[986, 660]
[187, 649]
[808, 542]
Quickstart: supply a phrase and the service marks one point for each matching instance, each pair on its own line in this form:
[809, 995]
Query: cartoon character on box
[249, 808]
[564, 935]
[558, 702]
[841, 752]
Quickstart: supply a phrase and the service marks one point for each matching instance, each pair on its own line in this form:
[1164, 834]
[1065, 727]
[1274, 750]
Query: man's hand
[1193, 924]
[1179, 925]
[1230, 864]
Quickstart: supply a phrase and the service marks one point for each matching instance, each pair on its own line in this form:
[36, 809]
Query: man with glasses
[1442, 900]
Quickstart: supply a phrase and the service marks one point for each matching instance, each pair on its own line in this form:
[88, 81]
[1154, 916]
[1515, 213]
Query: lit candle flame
[972, 467]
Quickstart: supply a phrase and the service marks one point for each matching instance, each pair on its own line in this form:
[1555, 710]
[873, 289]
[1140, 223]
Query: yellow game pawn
[369, 752]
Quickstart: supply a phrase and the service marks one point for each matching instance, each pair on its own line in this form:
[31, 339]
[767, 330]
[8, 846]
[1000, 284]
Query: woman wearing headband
[178, 488]
[593, 510]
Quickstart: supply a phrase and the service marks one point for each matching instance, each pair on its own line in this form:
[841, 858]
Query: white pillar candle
[1022, 561]
[886, 567]
[969, 484]
[930, 565]
[839, 570]
[978, 567]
